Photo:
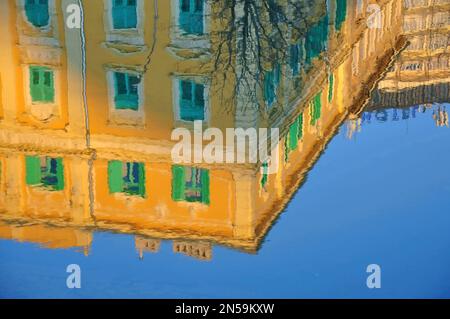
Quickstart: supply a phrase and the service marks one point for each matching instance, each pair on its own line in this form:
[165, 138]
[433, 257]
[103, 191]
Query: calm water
[379, 193]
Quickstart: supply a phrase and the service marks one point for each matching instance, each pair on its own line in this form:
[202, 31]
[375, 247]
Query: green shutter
[205, 187]
[59, 174]
[178, 183]
[316, 108]
[48, 87]
[142, 179]
[115, 179]
[42, 88]
[265, 176]
[33, 170]
[35, 88]
[300, 127]
[293, 135]
[330, 88]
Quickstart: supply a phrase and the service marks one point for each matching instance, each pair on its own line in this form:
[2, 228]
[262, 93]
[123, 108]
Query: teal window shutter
[42, 88]
[37, 12]
[124, 14]
[341, 14]
[316, 39]
[269, 87]
[59, 174]
[33, 170]
[192, 101]
[191, 14]
[115, 176]
[205, 186]
[126, 91]
[178, 183]
[294, 59]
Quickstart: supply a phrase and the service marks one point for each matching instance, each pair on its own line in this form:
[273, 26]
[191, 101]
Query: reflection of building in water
[197, 250]
[420, 77]
[147, 245]
[100, 156]
[440, 116]
[49, 237]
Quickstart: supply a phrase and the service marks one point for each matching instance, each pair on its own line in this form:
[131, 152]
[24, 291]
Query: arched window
[37, 12]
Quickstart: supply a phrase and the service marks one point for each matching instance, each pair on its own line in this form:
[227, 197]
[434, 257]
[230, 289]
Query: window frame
[125, 116]
[190, 41]
[130, 36]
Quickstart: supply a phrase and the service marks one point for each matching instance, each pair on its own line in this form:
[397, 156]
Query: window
[294, 135]
[42, 88]
[316, 109]
[45, 171]
[341, 14]
[330, 88]
[37, 12]
[124, 14]
[271, 81]
[126, 91]
[127, 178]
[294, 60]
[190, 184]
[316, 40]
[192, 100]
[191, 14]
[265, 175]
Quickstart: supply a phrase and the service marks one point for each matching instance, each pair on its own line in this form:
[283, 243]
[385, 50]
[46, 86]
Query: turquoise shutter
[37, 12]
[294, 59]
[197, 16]
[341, 14]
[184, 18]
[59, 174]
[191, 16]
[33, 170]
[115, 179]
[178, 183]
[199, 101]
[269, 87]
[186, 100]
[277, 75]
[124, 14]
[205, 187]
[141, 168]
[131, 14]
[316, 39]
